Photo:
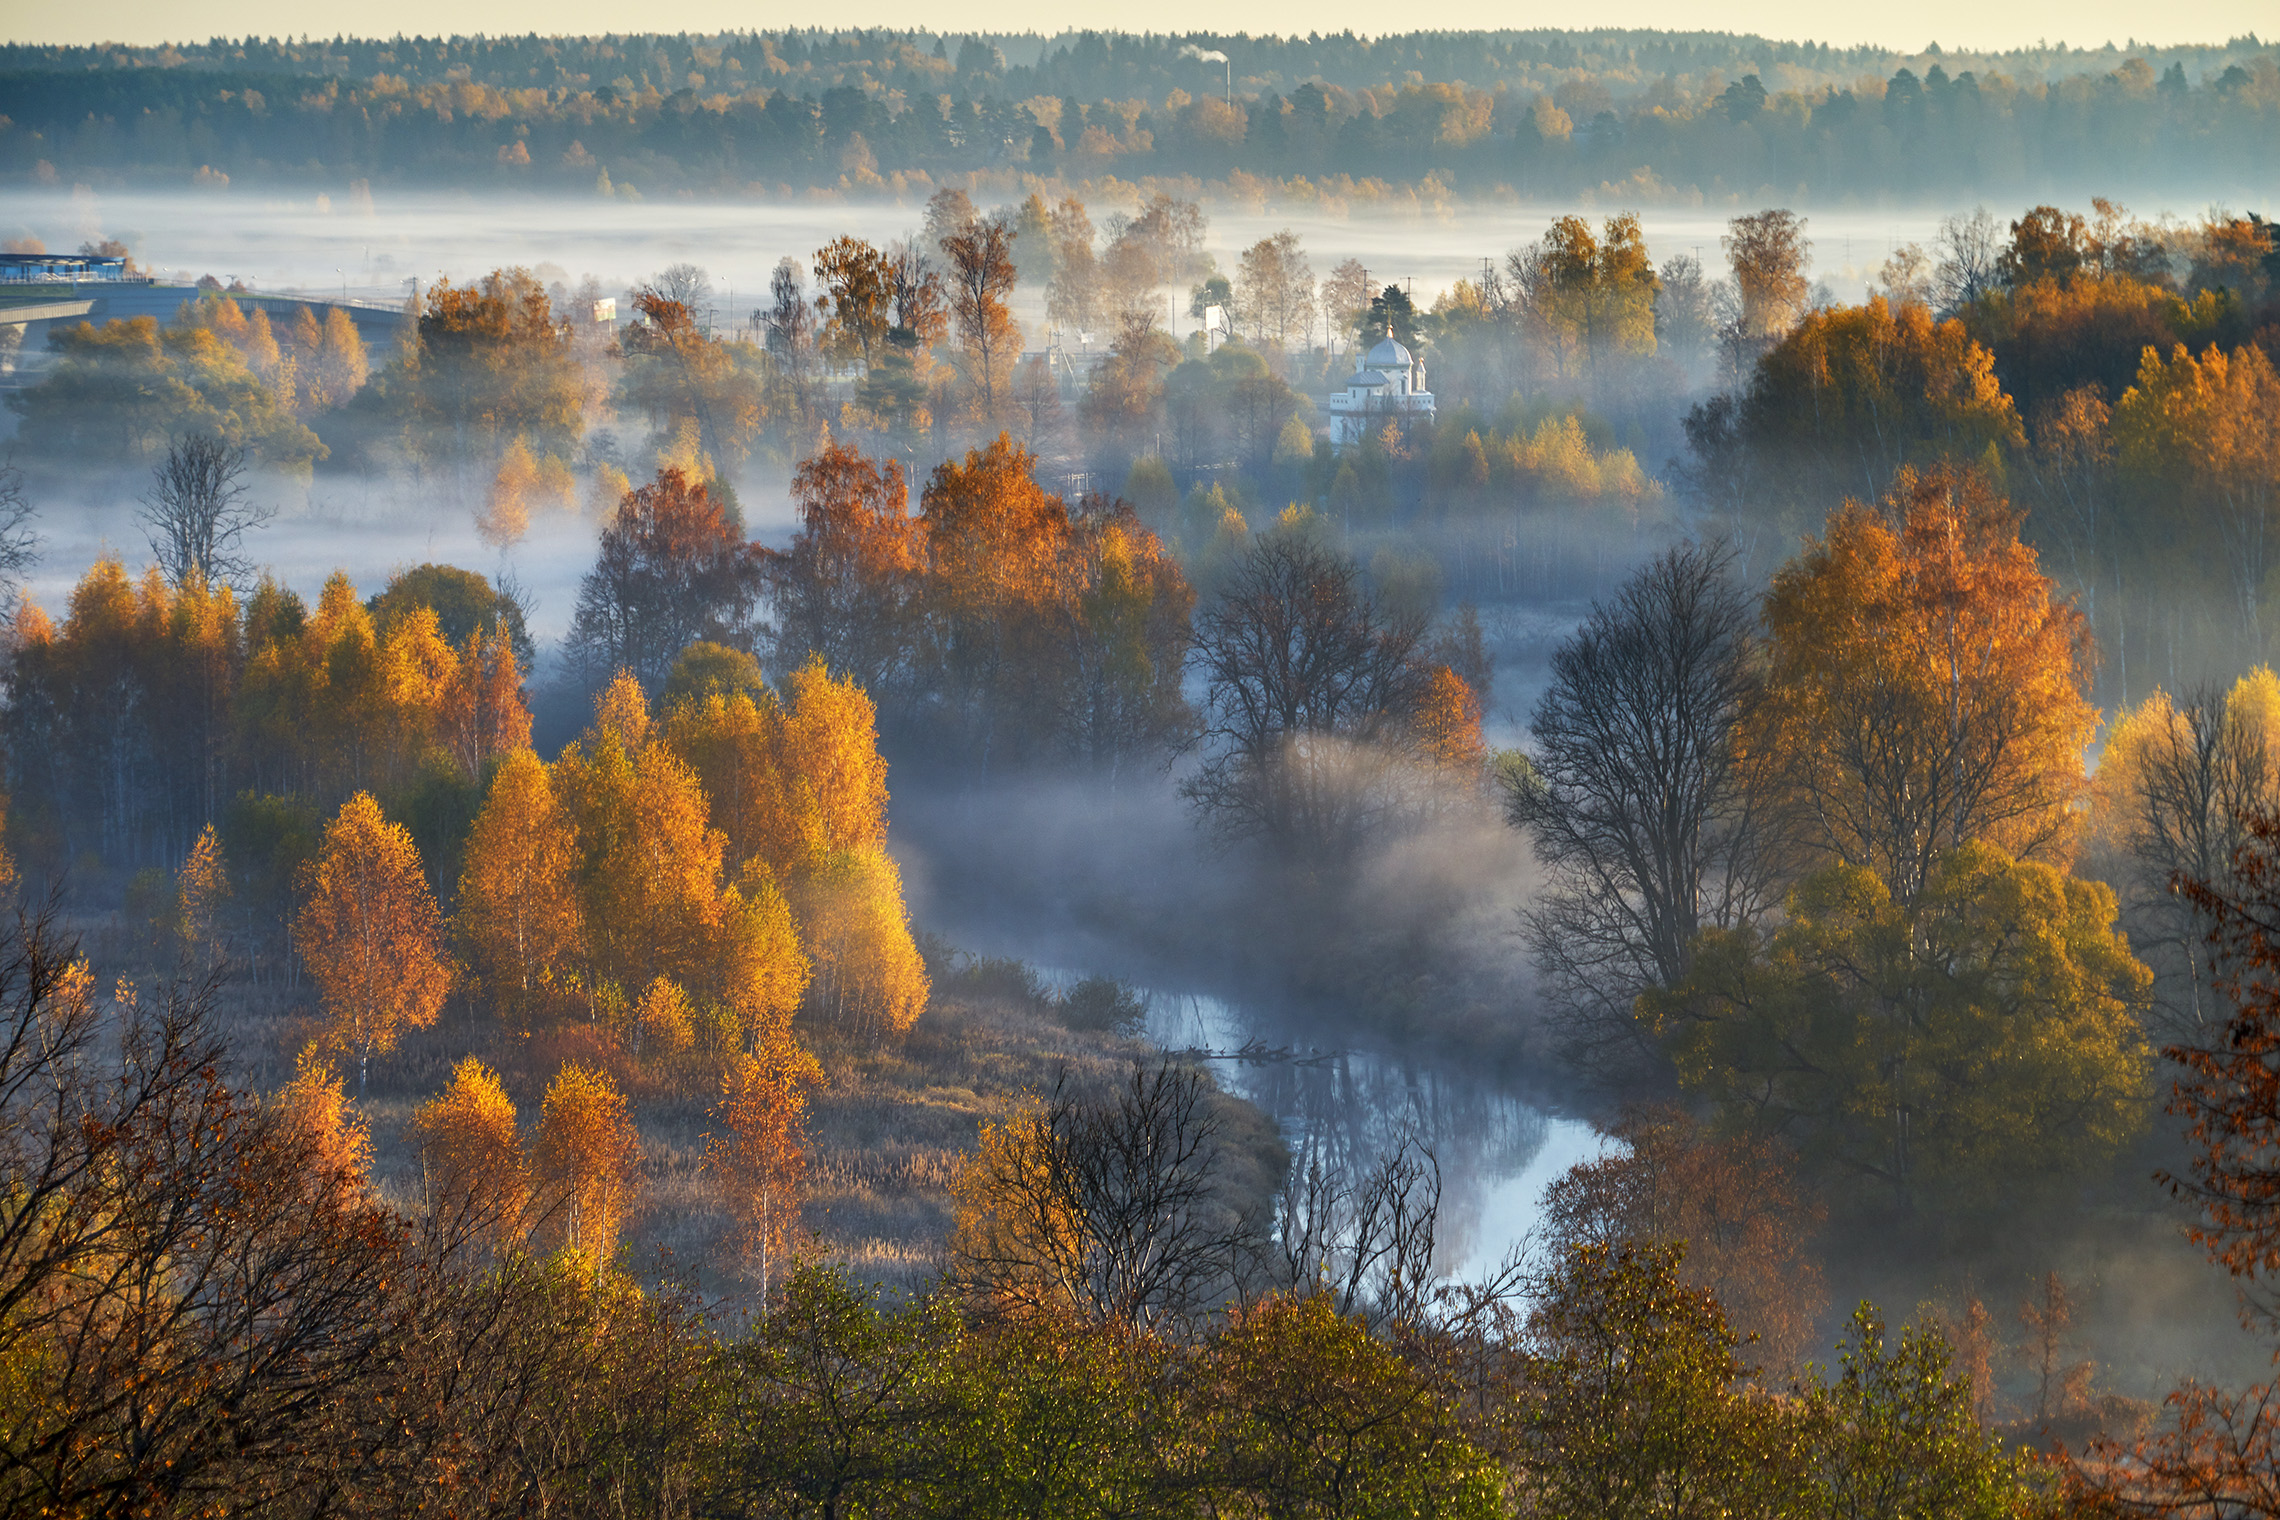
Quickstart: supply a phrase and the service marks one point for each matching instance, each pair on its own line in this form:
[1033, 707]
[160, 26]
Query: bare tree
[1905, 278]
[19, 545]
[1310, 686]
[1643, 814]
[198, 1283]
[1367, 1241]
[2197, 785]
[1685, 327]
[686, 284]
[789, 327]
[1110, 1203]
[197, 513]
[1970, 247]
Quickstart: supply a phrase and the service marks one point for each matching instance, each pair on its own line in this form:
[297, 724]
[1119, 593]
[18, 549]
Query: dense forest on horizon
[1649, 116]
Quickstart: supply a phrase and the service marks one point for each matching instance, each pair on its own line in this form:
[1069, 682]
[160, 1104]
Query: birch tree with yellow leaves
[585, 1161]
[757, 1151]
[314, 1106]
[798, 789]
[370, 933]
[655, 893]
[519, 923]
[474, 1177]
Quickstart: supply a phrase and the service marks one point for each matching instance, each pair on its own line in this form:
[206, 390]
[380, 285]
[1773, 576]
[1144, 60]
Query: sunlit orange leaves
[519, 920]
[369, 930]
[1926, 688]
[585, 1158]
[472, 1168]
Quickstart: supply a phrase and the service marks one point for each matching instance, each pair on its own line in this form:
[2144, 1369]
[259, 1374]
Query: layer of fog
[371, 248]
[368, 526]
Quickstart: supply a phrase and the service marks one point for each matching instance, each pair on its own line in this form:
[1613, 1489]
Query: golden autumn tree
[2179, 784]
[417, 666]
[757, 1151]
[1447, 723]
[656, 897]
[314, 1106]
[2207, 429]
[473, 1174]
[348, 723]
[728, 736]
[1925, 688]
[1014, 1235]
[480, 713]
[519, 922]
[798, 789]
[505, 516]
[661, 1024]
[763, 970]
[650, 874]
[869, 976]
[827, 745]
[201, 887]
[585, 1158]
[370, 933]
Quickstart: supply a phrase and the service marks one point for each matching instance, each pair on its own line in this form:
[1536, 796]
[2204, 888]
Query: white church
[1388, 383]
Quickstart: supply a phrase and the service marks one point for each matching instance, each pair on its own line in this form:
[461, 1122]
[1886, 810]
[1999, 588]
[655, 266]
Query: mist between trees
[405, 980]
[1396, 120]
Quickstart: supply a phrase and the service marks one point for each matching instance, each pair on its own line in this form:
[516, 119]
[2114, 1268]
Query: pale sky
[1951, 23]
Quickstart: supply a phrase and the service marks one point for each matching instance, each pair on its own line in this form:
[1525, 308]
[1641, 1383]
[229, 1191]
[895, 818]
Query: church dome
[1387, 355]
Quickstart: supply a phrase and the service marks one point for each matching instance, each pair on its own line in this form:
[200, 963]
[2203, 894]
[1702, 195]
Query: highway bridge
[30, 308]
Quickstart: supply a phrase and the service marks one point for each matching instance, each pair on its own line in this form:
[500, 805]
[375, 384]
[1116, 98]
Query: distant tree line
[1537, 114]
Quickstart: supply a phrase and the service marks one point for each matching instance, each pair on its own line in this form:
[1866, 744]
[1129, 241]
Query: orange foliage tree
[2210, 428]
[480, 712]
[314, 1107]
[473, 1173]
[1001, 623]
[846, 589]
[1924, 686]
[518, 920]
[1447, 721]
[655, 897]
[369, 930]
[673, 568]
[798, 791]
[758, 1149]
[200, 890]
[1850, 396]
[585, 1159]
